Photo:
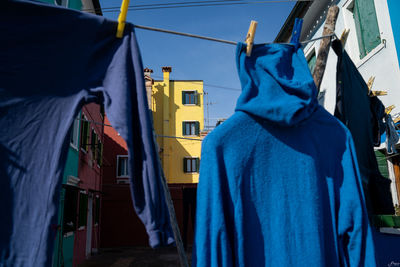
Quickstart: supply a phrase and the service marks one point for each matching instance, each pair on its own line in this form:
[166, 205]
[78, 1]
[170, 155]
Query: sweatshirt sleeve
[355, 235]
[126, 106]
[213, 241]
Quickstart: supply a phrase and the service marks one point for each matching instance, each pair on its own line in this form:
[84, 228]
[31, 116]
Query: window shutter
[382, 163]
[367, 28]
[197, 125]
[183, 128]
[83, 205]
[196, 98]
[184, 165]
[183, 98]
[197, 164]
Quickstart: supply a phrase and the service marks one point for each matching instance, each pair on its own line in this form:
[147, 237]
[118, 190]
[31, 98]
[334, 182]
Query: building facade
[373, 44]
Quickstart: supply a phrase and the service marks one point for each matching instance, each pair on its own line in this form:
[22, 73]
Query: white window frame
[353, 47]
[122, 176]
[75, 133]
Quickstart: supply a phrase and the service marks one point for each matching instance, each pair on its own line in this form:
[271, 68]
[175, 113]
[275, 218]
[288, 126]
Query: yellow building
[178, 113]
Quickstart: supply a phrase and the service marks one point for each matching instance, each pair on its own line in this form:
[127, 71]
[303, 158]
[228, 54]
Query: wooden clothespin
[343, 37]
[250, 37]
[122, 18]
[389, 109]
[396, 120]
[370, 82]
[377, 93]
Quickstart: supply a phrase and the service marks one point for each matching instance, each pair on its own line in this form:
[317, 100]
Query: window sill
[374, 51]
[83, 150]
[390, 230]
[81, 228]
[190, 104]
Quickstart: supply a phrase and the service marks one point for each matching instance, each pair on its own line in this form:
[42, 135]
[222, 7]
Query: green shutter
[183, 98]
[197, 124]
[183, 128]
[83, 205]
[197, 164]
[196, 98]
[184, 165]
[382, 163]
[311, 62]
[366, 26]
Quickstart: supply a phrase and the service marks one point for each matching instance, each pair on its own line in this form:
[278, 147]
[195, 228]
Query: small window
[85, 134]
[70, 210]
[122, 166]
[311, 60]
[190, 98]
[191, 128]
[75, 133]
[191, 165]
[366, 24]
[83, 205]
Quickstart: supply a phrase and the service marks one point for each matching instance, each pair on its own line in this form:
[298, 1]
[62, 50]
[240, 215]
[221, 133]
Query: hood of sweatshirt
[276, 83]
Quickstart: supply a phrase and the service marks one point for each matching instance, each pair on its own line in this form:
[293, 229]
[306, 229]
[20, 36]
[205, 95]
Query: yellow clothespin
[370, 82]
[250, 37]
[343, 37]
[389, 109]
[378, 93]
[122, 18]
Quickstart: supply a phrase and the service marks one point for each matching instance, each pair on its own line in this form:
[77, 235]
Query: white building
[371, 44]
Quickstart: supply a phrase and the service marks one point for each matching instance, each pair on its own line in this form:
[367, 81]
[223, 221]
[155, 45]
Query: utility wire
[191, 4]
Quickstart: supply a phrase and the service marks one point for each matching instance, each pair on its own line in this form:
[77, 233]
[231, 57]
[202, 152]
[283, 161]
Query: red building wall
[120, 226]
[89, 173]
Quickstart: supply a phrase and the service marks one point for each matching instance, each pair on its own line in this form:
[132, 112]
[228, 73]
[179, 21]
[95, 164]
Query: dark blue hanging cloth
[52, 61]
[362, 115]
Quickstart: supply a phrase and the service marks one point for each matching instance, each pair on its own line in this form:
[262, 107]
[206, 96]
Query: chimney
[166, 71]
[148, 83]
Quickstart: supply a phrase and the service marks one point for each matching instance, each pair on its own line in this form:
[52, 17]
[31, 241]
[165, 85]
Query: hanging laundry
[392, 137]
[353, 108]
[53, 61]
[378, 115]
[279, 182]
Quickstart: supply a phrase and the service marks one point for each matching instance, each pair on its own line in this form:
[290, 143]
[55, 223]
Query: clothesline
[157, 135]
[214, 39]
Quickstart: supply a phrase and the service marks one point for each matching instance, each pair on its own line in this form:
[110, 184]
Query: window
[191, 128]
[190, 98]
[311, 60]
[366, 25]
[70, 209]
[191, 165]
[83, 205]
[122, 166]
[74, 135]
[85, 134]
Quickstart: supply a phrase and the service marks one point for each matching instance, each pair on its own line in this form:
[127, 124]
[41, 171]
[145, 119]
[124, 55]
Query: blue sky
[194, 59]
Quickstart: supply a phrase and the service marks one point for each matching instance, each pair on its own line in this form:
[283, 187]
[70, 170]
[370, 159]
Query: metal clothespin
[250, 37]
[122, 18]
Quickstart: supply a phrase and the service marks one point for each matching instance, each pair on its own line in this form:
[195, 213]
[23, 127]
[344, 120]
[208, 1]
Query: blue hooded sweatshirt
[279, 182]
